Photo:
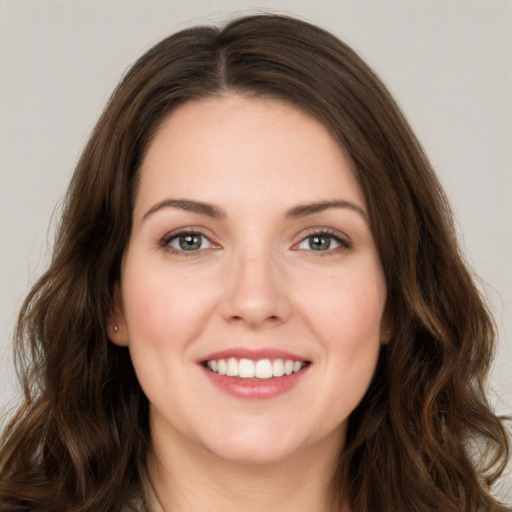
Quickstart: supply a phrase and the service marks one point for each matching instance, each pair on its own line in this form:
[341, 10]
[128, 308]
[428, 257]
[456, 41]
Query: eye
[188, 241]
[319, 243]
[323, 242]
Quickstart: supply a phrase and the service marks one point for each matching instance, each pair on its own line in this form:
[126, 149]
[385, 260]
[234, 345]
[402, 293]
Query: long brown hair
[80, 438]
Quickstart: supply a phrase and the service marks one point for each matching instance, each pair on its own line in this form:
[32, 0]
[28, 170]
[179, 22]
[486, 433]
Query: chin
[255, 446]
[252, 455]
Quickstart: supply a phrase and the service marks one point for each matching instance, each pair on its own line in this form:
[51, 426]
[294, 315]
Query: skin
[255, 282]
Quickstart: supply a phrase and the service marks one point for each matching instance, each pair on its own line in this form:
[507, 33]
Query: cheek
[163, 315]
[151, 308]
[161, 306]
[347, 309]
[345, 317]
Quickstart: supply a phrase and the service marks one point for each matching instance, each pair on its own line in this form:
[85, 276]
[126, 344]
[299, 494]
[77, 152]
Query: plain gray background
[447, 63]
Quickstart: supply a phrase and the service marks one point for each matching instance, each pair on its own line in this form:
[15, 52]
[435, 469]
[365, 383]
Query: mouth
[255, 370]
[255, 373]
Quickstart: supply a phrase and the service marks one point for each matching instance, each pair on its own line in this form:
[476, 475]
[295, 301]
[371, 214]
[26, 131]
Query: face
[251, 294]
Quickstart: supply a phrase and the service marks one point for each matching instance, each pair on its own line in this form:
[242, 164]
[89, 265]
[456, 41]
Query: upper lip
[253, 353]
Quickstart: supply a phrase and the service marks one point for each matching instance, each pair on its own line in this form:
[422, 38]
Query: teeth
[232, 367]
[288, 367]
[278, 368]
[222, 366]
[249, 369]
[246, 369]
[263, 369]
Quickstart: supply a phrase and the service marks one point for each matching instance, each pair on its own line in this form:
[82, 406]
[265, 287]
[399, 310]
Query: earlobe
[116, 327]
[386, 336]
[386, 327]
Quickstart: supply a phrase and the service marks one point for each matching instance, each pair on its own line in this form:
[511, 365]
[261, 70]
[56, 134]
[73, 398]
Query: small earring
[116, 328]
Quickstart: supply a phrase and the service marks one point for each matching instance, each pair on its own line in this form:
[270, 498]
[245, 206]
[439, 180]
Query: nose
[255, 294]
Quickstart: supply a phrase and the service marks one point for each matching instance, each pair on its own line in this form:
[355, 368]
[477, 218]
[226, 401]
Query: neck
[190, 479]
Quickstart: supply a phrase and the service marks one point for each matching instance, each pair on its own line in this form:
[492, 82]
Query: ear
[116, 328]
[386, 326]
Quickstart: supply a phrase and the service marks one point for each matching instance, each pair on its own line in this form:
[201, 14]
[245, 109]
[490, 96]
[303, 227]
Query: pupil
[319, 243]
[190, 242]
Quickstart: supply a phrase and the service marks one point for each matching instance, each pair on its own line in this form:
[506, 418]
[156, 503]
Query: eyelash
[344, 243]
[164, 243]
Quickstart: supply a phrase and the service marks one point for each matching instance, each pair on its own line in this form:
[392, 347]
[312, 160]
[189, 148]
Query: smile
[254, 369]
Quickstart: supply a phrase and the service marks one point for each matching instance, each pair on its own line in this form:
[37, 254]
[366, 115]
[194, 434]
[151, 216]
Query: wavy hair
[80, 438]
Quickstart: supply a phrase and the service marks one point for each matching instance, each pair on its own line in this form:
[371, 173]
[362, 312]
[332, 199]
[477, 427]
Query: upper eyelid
[186, 230]
[324, 230]
[165, 240]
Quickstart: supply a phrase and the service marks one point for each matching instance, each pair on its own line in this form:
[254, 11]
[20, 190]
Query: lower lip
[255, 389]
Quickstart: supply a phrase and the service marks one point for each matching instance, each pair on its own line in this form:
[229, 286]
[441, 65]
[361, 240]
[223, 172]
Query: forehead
[228, 147]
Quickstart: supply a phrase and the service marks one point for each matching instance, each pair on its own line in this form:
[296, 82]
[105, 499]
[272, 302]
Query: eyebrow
[311, 208]
[213, 211]
[188, 205]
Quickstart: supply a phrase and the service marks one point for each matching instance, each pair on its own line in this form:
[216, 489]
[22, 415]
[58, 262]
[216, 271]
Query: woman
[256, 299]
